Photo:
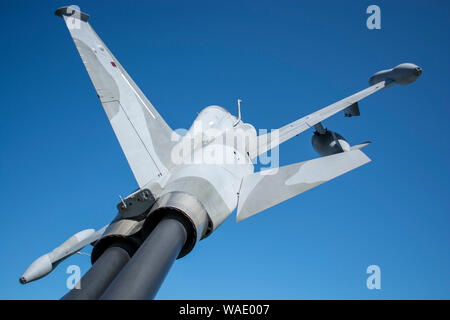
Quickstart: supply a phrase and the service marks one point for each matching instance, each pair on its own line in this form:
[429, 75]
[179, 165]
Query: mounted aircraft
[188, 185]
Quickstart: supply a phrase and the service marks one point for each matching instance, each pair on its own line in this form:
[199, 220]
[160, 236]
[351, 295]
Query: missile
[46, 263]
[402, 74]
[97, 279]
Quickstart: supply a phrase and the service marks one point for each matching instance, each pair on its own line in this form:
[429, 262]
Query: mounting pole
[320, 128]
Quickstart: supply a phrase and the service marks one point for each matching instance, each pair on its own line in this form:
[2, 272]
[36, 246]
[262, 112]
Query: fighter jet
[190, 183]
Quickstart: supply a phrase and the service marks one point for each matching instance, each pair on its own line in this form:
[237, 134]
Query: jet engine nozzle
[402, 74]
[328, 143]
[185, 208]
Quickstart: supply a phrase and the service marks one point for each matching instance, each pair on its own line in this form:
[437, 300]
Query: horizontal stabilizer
[265, 189]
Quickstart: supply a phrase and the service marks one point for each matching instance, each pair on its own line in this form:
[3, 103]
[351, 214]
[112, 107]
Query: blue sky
[62, 168]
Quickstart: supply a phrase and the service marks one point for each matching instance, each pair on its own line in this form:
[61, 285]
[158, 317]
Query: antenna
[239, 113]
[123, 202]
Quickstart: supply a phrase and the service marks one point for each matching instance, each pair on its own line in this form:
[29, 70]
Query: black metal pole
[143, 275]
[102, 273]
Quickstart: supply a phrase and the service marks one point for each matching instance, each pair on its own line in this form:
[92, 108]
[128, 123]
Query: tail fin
[265, 189]
[143, 134]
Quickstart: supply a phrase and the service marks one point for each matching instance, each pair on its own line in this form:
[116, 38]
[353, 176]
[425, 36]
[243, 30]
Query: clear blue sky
[62, 168]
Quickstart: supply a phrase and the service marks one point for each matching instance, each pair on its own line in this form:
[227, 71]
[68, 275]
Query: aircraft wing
[271, 140]
[143, 134]
[264, 189]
